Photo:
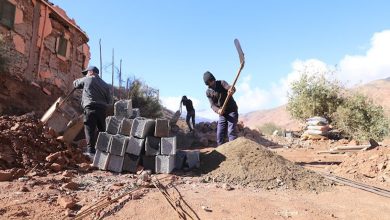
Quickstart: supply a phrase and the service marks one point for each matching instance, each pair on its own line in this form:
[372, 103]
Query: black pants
[191, 115]
[94, 117]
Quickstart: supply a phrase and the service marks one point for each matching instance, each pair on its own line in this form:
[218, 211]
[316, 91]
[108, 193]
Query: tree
[316, 95]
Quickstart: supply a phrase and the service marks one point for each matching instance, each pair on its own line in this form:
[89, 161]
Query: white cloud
[374, 64]
[248, 98]
[171, 103]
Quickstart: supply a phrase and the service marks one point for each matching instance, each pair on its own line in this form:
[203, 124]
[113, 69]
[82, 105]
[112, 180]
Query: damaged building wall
[45, 51]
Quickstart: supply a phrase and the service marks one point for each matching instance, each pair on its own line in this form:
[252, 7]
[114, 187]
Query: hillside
[378, 90]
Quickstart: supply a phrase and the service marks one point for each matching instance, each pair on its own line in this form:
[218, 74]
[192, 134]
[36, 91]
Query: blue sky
[170, 44]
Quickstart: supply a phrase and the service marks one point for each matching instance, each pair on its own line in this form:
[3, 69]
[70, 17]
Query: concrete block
[180, 158]
[130, 163]
[118, 144]
[135, 145]
[103, 141]
[161, 128]
[149, 163]
[112, 124]
[152, 146]
[123, 108]
[125, 127]
[136, 113]
[168, 145]
[101, 160]
[142, 127]
[192, 159]
[165, 164]
[115, 163]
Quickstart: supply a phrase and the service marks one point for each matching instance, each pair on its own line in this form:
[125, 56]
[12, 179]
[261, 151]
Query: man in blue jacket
[95, 99]
[217, 92]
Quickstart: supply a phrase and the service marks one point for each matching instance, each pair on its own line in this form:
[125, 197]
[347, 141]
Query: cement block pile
[130, 139]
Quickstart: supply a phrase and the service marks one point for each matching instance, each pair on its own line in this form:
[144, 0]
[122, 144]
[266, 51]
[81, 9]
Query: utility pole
[113, 68]
[101, 65]
[120, 78]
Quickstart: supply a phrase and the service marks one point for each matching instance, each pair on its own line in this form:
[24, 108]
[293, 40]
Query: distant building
[44, 47]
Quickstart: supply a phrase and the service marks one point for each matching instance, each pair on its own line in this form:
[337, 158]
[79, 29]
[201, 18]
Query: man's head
[208, 79]
[184, 98]
[91, 70]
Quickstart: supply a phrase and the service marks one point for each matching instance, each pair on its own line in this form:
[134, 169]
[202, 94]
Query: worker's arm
[213, 106]
[78, 83]
[228, 87]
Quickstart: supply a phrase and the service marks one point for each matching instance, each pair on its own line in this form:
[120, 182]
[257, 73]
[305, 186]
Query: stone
[125, 127]
[149, 163]
[165, 164]
[55, 167]
[112, 124]
[115, 163]
[142, 127]
[161, 128]
[103, 141]
[135, 145]
[101, 160]
[168, 145]
[123, 108]
[5, 175]
[152, 146]
[66, 202]
[130, 163]
[71, 185]
[118, 145]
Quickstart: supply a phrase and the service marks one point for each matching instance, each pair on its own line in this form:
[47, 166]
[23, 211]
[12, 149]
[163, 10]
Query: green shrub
[269, 128]
[360, 119]
[316, 95]
[145, 98]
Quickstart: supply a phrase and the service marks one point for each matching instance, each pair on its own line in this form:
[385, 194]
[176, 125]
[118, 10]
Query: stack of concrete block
[128, 140]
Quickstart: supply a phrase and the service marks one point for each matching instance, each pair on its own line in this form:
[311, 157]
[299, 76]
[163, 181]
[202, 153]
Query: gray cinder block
[130, 163]
[135, 145]
[118, 145]
[142, 127]
[192, 159]
[149, 163]
[125, 126]
[168, 145]
[161, 128]
[152, 146]
[101, 160]
[165, 164]
[103, 141]
[123, 108]
[112, 124]
[180, 159]
[136, 113]
[115, 163]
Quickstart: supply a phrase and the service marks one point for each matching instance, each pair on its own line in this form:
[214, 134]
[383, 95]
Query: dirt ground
[38, 197]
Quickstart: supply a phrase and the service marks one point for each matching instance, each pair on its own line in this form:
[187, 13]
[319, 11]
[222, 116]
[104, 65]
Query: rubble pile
[245, 162]
[205, 134]
[367, 165]
[26, 143]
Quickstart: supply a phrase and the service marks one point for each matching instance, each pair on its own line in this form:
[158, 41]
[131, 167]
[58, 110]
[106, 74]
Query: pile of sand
[25, 143]
[247, 163]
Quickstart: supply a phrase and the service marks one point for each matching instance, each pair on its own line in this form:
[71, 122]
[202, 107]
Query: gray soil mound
[247, 163]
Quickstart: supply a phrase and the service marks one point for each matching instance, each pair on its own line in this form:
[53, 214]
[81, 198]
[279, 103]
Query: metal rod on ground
[101, 61]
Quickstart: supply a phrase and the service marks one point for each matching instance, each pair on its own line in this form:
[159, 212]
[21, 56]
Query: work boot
[90, 153]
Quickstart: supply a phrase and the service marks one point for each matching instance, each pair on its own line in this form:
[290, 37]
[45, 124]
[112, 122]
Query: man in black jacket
[217, 92]
[94, 101]
[190, 111]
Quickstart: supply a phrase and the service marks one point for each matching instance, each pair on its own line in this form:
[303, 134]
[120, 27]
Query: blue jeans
[227, 123]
